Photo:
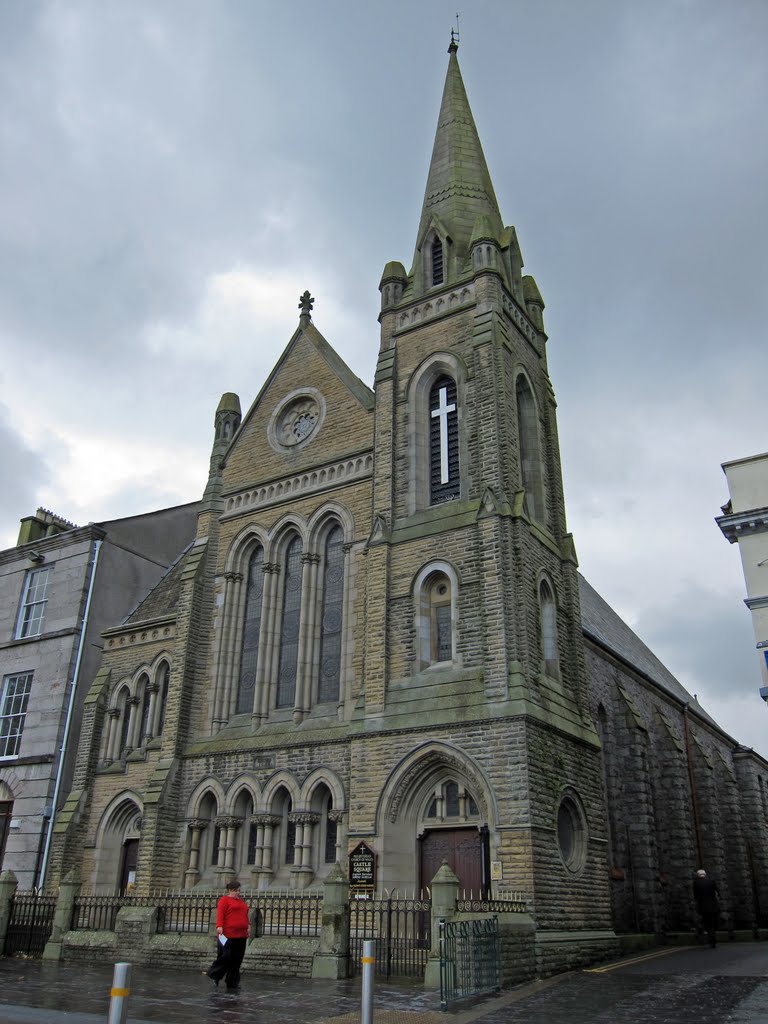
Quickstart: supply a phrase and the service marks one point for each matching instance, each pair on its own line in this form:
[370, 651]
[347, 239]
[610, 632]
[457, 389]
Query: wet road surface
[728, 985]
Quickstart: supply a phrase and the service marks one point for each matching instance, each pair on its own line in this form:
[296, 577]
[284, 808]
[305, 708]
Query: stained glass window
[289, 638]
[330, 627]
[251, 627]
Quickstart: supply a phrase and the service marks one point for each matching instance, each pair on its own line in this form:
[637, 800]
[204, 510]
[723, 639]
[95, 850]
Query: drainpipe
[70, 712]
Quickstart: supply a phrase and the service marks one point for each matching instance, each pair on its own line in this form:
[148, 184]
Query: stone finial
[306, 302]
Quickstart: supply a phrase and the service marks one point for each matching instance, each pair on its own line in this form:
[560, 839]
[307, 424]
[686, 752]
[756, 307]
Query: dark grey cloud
[22, 473]
[173, 175]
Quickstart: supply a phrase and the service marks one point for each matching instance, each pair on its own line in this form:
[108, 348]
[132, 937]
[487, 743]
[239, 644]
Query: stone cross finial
[306, 301]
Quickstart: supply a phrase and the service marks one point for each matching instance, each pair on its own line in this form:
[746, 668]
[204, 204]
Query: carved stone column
[134, 724]
[266, 670]
[304, 675]
[154, 687]
[228, 825]
[341, 844]
[263, 870]
[112, 732]
[196, 827]
[302, 871]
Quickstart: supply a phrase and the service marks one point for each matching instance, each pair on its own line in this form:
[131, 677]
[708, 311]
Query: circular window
[296, 419]
[572, 832]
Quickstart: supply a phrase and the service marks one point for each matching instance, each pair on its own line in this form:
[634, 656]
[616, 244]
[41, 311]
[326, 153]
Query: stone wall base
[273, 955]
[559, 951]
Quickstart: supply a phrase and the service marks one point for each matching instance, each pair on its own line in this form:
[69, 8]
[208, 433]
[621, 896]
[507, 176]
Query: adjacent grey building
[59, 588]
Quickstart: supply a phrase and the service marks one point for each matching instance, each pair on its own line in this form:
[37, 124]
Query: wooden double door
[464, 849]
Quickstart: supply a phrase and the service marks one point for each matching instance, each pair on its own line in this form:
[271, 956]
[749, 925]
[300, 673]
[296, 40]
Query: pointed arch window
[549, 642]
[531, 467]
[249, 656]
[331, 616]
[437, 262]
[443, 440]
[289, 639]
[163, 678]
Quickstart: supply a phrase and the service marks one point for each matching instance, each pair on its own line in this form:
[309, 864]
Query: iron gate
[470, 958]
[30, 924]
[400, 930]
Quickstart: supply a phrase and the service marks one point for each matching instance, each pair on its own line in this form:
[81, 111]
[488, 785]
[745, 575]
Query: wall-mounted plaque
[497, 874]
[362, 870]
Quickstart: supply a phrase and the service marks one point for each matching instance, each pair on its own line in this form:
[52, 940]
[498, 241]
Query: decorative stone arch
[434, 231]
[283, 531]
[9, 785]
[285, 779]
[207, 786]
[322, 520]
[244, 783]
[437, 572]
[420, 384]
[402, 807]
[119, 825]
[327, 778]
[242, 546]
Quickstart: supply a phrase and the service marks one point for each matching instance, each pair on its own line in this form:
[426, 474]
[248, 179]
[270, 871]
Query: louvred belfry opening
[443, 441]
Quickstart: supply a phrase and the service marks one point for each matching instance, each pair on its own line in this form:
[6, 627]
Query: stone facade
[379, 635]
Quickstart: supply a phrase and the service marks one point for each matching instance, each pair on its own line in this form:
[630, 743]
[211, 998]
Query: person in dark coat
[232, 929]
[707, 897]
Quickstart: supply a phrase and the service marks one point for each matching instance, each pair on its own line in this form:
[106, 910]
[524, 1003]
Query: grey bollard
[121, 989]
[368, 960]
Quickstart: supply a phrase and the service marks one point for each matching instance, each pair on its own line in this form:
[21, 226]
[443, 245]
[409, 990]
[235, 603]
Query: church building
[379, 635]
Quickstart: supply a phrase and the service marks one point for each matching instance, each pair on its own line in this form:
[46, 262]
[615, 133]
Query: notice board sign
[362, 870]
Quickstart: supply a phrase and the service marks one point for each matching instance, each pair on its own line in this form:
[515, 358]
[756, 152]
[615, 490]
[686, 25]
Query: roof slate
[601, 622]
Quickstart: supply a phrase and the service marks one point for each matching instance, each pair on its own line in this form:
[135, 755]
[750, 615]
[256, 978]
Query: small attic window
[437, 262]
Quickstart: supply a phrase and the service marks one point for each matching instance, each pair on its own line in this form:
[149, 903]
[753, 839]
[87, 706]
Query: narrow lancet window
[531, 469]
[251, 628]
[332, 611]
[289, 639]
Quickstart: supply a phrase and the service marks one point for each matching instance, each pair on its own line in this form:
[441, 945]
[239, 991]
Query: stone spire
[459, 188]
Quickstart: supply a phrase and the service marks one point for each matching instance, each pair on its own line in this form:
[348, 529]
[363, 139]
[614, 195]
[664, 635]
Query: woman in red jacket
[232, 928]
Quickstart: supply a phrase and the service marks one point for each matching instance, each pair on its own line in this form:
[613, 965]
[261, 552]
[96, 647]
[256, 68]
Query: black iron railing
[400, 930]
[470, 959]
[185, 912]
[30, 923]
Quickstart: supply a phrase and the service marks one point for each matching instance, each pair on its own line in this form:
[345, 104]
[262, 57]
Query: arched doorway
[436, 808]
[452, 832]
[117, 845]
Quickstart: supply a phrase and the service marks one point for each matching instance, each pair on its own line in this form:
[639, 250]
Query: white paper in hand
[223, 939]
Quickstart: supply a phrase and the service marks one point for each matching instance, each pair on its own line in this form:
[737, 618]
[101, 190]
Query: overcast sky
[174, 173]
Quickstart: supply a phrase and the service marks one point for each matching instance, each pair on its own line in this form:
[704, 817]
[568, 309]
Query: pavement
[695, 985]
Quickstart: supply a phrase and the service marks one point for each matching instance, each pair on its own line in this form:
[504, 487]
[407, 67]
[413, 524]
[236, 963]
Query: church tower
[474, 668]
